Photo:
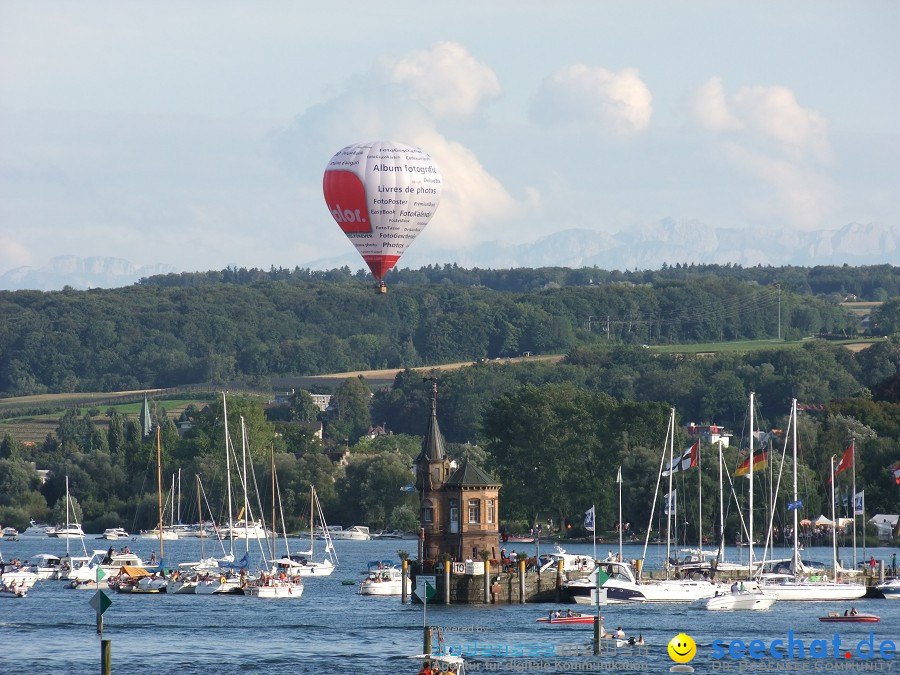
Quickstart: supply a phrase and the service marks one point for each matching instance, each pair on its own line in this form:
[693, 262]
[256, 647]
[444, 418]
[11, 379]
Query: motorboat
[388, 534]
[242, 529]
[568, 619]
[17, 576]
[113, 533]
[355, 533]
[622, 586]
[383, 578]
[167, 534]
[890, 589]
[137, 580]
[571, 563]
[35, 529]
[736, 600]
[837, 617]
[70, 531]
[10, 534]
[46, 566]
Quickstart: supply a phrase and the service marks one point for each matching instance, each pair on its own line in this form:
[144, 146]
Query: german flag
[760, 462]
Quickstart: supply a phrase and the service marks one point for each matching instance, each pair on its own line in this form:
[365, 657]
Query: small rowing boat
[835, 617]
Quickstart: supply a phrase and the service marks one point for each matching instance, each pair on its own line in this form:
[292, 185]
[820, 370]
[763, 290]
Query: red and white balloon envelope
[382, 194]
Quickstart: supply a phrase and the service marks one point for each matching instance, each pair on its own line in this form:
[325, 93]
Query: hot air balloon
[381, 194]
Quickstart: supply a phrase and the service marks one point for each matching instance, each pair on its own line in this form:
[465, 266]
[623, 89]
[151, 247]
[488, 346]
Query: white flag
[859, 503]
[671, 503]
[589, 519]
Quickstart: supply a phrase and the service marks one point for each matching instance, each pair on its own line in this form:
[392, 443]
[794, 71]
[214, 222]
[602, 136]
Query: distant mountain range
[79, 273]
[668, 241]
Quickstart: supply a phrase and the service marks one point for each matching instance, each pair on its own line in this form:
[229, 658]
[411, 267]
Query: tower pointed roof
[146, 420]
[433, 442]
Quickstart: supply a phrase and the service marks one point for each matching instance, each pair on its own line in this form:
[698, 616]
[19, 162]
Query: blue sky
[196, 133]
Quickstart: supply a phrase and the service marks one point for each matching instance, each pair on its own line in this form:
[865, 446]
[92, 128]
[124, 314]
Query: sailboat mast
[228, 476]
[853, 500]
[312, 497]
[67, 516]
[750, 559]
[796, 564]
[621, 526]
[274, 528]
[245, 482]
[200, 517]
[669, 497]
[159, 489]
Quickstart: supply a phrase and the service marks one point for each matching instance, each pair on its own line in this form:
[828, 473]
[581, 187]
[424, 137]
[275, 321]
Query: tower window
[474, 511]
[490, 511]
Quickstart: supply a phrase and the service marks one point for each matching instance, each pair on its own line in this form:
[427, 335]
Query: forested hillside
[163, 334]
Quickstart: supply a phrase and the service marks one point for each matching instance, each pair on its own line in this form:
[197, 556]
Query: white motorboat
[70, 531]
[10, 534]
[47, 566]
[167, 534]
[17, 576]
[12, 590]
[355, 533]
[740, 600]
[113, 533]
[623, 587]
[444, 663]
[890, 589]
[383, 578]
[571, 563]
[242, 529]
[35, 529]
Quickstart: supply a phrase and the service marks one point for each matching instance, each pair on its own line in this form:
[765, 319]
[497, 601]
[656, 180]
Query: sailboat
[282, 580]
[800, 586]
[72, 530]
[308, 565]
[622, 585]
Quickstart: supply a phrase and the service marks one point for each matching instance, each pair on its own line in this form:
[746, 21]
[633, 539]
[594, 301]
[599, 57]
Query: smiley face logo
[682, 648]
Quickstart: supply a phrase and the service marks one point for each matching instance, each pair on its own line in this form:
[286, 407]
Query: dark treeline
[871, 283]
[242, 327]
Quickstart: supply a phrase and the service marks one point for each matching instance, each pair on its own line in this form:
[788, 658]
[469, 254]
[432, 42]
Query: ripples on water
[333, 630]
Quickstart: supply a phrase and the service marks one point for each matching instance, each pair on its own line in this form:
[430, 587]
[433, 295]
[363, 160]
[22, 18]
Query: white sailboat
[801, 586]
[282, 580]
[308, 565]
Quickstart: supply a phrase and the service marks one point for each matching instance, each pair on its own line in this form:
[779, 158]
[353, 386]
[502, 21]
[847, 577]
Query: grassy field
[33, 428]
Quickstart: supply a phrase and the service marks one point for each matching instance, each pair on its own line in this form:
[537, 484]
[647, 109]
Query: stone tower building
[460, 509]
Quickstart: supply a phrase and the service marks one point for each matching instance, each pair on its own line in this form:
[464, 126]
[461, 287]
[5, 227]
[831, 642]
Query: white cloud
[446, 79]
[13, 254]
[766, 134]
[711, 109]
[607, 103]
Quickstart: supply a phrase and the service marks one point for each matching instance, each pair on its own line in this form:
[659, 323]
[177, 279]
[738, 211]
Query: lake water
[331, 629]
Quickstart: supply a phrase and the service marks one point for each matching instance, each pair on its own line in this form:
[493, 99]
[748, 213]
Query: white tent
[823, 521]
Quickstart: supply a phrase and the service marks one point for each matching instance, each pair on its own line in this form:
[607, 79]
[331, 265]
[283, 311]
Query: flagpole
[833, 523]
[865, 554]
[699, 502]
[853, 451]
[619, 481]
[594, 530]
